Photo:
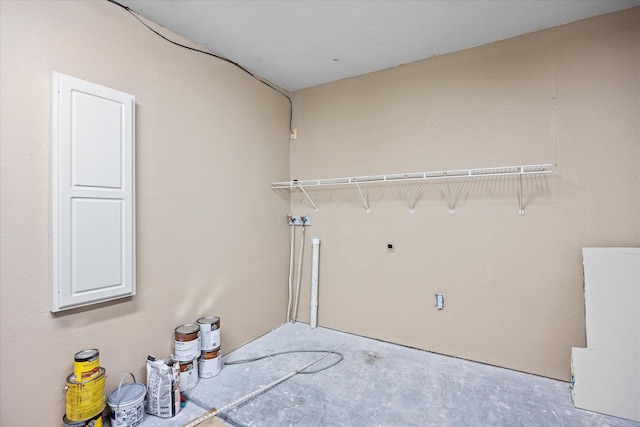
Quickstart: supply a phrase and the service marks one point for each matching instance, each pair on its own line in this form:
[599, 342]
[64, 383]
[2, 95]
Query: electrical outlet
[294, 133]
[439, 301]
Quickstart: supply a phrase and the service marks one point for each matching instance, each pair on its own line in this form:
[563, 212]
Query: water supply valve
[299, 220]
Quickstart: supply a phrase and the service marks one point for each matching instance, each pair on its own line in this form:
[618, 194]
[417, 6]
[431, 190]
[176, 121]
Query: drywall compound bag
[163, 387]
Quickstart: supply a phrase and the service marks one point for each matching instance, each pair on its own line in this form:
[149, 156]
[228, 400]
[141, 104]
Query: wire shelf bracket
[308, 197]
[364, 199]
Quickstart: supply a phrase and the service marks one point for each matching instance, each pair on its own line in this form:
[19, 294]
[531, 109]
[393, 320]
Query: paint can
[85, 399]
[127, 403]
[210, 363]
[95, 421]
[209, 332]
[187, 341]
[188, 374]
[86, 364]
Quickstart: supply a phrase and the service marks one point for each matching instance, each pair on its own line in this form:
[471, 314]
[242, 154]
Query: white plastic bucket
[127, 403]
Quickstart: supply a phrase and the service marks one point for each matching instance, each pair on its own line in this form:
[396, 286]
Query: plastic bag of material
[163, 387]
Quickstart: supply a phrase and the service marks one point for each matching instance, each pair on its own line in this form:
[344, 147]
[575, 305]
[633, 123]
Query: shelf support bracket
[520, 204]
[452, 205]
[412, 203]
[308, 197]
[364, 199]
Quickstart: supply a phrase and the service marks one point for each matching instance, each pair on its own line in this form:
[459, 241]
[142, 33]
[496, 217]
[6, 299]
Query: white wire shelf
[358, 181]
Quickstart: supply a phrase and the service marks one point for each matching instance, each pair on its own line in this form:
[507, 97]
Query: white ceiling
[303, 43]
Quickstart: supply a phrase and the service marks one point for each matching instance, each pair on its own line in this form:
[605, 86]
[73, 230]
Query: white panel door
[93, 197]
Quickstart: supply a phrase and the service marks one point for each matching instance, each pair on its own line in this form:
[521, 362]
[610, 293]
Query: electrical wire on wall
[222, 58]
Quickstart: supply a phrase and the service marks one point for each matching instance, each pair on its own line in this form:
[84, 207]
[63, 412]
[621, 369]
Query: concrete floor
[377, 384]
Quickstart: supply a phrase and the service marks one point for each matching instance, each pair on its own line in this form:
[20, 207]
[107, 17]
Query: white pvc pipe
[297, 297]
[315, 244]
[292, 232]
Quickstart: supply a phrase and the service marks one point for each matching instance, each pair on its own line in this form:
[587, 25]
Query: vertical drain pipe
[315, 243]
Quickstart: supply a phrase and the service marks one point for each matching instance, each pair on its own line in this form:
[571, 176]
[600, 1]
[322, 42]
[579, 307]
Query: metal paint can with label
[86, 364]
[188, 374]
[210, 363]
[209, 332]
[85, 399]
[95, 421]
[187, 342]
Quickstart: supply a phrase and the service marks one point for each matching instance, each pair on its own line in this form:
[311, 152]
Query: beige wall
[513, 284]
[211, 234]
[210, 139]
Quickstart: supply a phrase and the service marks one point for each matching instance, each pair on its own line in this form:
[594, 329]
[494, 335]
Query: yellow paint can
[86, 364]
[95, 421]
[85, 399]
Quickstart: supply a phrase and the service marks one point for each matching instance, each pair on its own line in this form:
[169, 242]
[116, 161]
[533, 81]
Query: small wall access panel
[92, 200]
[606, 374]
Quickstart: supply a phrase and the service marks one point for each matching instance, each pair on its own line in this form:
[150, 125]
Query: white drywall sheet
[606, 374]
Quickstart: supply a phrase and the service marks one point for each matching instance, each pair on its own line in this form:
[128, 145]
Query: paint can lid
[102, 372]
[87, 355]
[127, 394]
[209, 320]
[189, 328]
